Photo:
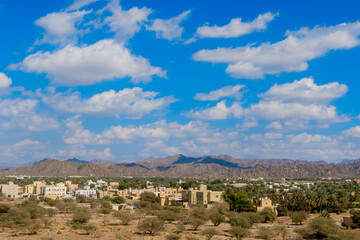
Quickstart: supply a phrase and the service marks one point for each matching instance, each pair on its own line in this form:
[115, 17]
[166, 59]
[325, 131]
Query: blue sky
[126, 80]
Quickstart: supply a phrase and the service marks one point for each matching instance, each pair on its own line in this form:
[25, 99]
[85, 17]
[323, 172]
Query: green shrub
[173, 237]
[196, 222]
[216, 218]
[81, 215]
[268, 214]
[117, 200]
[124, 216]
[199, 212]
[151, 225]
[298, 217]
[238, 220]
[239, 232]
[209, 233]
[265, 233]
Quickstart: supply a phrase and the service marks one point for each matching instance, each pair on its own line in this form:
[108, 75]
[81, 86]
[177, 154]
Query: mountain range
[213, 166]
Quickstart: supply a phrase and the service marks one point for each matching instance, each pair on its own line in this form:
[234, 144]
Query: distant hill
[214, 166]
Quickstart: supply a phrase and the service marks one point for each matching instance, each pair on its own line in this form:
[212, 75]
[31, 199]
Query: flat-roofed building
[201, 196]
[57, 190]
[10, 190]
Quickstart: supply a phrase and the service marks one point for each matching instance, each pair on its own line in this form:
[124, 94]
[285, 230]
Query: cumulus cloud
[236, 27]
[77, 4]
[218, 112]
[227, 91]
[289, 55]
[26, 142]
[129, 102]
[305, 90]
[275, 125]
[272, 110]
[125, 23]
[17, 107]
[61, 27]
[81, 152]
[169, 29]
[103, 60]
[5, 81]
[76, 134]
[353, 132]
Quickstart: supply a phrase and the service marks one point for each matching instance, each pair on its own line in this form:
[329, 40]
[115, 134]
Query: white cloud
[305, 90]
[21, 114]
[236, 27]
[60, 27]
[125, 23]
[218, 112]
[353, 132]
[129, 102]
[272, 110]
[169, 29]
[103, 60]
[26, 142]
[250, 124]
[358, 117]
[228, 91]
[77, 4]
[275, 125]
[5, 81]
[289, 55]
[82, 153]
[35, 123]
[76, 134]
[17, 107]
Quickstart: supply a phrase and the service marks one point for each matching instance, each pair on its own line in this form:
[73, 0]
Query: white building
[59, 190]
[85, 192]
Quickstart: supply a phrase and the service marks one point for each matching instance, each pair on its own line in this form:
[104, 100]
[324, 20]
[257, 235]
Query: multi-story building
[54, 190]
[202, 196]
[37, 187]
[10, 190]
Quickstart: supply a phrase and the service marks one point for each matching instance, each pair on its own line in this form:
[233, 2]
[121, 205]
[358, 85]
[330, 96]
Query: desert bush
[173, 237]
[172, 209]
[180, 228]
[4, 208]
[168, 216]
[210, 232]
[33, 226]
[106, 207]
[124, 216]
[216, 217]
[81, 215]
[81, 198]
[222, 208]
[191, 238]
[320, 228]
[282, 231]
[117, 200]
[50, 212]
[14, 217]
[268, 214]
[47, 221]
[149, 205]
[199, 212]
[238, 220]
[298, 217]
[149, 197]
[239, 232]
[66, 207]
[196, 222]
[265, 233]
[282, 210]
[89, 229]
[254, 217]
[151, 225]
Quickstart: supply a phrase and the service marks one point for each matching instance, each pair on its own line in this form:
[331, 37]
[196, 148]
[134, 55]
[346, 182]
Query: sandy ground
[109, 228]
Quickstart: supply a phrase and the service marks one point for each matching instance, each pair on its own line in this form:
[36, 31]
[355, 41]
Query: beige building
[201, 196]
[10, 190]
[37, 187]
[56, 190]
[263, 203]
